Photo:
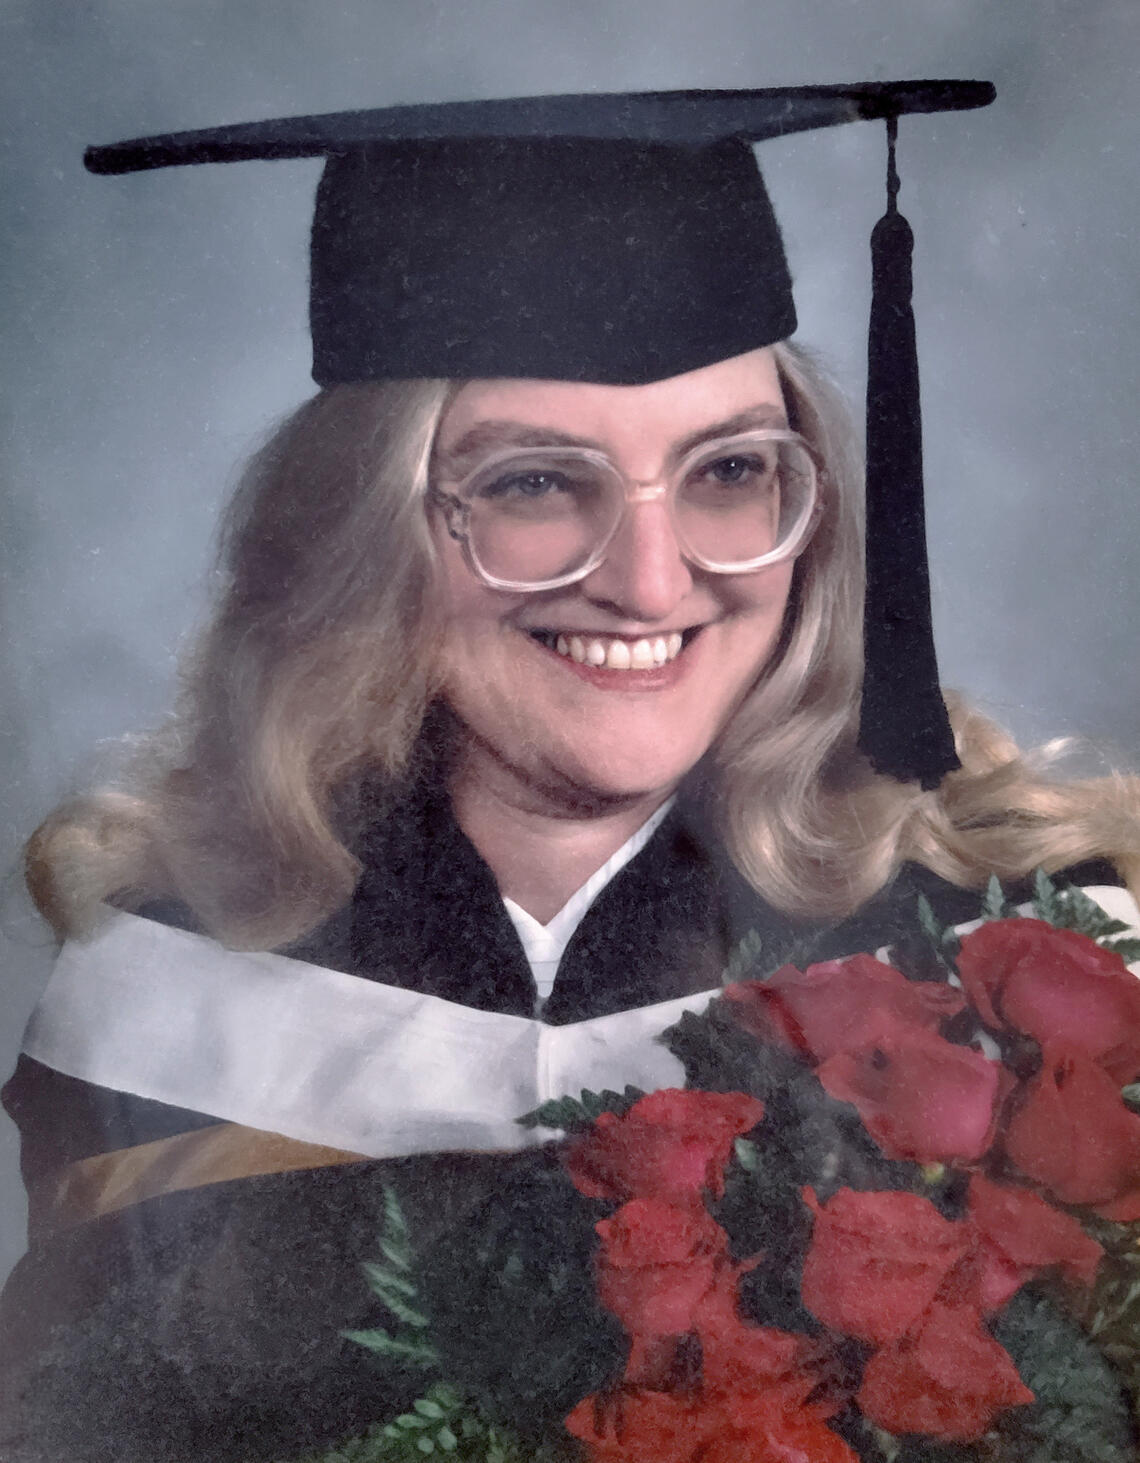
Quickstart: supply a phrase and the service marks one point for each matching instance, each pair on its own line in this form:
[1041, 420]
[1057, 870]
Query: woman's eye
[526, 485]
[730, 469]
[734, 470]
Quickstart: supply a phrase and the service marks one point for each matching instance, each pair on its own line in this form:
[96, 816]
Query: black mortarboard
[616, 239]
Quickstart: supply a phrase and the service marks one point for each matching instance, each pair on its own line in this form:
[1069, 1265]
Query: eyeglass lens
[541, 515]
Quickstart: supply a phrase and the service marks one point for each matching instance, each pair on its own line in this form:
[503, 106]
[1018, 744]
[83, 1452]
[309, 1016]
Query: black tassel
[904, 728]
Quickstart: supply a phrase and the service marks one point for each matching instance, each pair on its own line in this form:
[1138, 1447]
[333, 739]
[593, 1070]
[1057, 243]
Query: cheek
[755, 614]
[454, 582]
[765, 593]
[758, 607]
[479, 670]
[467, 606]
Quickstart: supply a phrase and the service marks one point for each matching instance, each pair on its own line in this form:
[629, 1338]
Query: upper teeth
[619, 655]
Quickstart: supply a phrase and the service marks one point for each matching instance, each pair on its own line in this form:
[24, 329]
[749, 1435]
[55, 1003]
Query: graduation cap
[618, 239]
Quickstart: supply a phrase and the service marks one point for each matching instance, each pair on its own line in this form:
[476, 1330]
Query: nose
[644, 575]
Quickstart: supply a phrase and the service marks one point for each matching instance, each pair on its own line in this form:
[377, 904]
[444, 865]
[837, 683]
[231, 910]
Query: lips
[615, 652]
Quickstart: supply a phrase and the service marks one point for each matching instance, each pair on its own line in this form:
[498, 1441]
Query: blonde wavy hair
[318, 669]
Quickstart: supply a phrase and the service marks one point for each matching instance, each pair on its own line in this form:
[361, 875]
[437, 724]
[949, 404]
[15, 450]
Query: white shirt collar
[545, 944]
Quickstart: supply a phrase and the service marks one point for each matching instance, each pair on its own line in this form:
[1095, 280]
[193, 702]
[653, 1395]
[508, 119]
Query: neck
[540, 844]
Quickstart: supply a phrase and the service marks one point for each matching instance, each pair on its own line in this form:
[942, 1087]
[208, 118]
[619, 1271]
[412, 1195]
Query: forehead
[616, 416]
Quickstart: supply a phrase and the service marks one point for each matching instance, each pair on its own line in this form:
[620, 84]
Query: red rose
[670, 1145]
[659, 1427]
[1018, 1236]
[1072, 1133]
[657, 1263]
[641, 1427]
[750, 1358]
[876, 1261]
[839, 1005]
[1055, 985]
[950, 1380]
[921, 1097]
[737, 1356]
[773, 1425]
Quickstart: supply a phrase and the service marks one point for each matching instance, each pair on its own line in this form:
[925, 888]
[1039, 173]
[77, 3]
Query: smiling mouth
[617, 652]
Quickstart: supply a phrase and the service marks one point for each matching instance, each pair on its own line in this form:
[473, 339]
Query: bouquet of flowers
[893, 1216]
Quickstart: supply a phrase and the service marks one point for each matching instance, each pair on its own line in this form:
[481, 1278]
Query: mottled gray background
[155, 325]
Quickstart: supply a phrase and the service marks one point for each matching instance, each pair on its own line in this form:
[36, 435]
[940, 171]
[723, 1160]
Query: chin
[626, 774]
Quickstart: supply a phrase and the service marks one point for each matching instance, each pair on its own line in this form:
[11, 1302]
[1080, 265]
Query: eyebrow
[493, 435]
[754, 419]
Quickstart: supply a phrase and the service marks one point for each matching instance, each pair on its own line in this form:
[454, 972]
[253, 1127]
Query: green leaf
[887, 1443]
[1112, 1312]
[744, 958]
[559, 1112]
[1080, 1414]
[1046, 904]
[395, 1224]
[747, 1155]
[375, 1340]
[464, 1436]
[383, 1343]
[1079, 912]
[929, 923]
[395, 1244]
[995, 905]
[381, 1277]
[397, 1255]
[398, 1305]
[1073, 909]
[395, 1285]
[573, 1114]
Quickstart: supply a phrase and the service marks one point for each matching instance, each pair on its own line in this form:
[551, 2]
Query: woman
[533, 690]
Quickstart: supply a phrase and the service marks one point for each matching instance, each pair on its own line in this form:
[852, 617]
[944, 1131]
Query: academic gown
[206, 1323]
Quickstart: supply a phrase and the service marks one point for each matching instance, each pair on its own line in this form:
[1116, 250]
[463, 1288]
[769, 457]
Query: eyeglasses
[541, 518]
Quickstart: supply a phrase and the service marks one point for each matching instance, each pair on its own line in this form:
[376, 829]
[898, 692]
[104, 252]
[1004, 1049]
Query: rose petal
[671, 1145]
[1055, 985]
[1030, 1233]
[840, 1005]
[1072, 1133]
[921, 1097]
[949, 1381]
[876, 1261]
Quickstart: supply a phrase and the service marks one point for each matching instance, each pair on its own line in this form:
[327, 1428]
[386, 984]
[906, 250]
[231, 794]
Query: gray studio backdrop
[155, 325]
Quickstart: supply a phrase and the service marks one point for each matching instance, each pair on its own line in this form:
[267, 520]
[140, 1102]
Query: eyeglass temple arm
[457, 513]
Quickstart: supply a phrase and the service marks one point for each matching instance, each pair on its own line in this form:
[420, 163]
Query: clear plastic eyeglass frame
[457, 506]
